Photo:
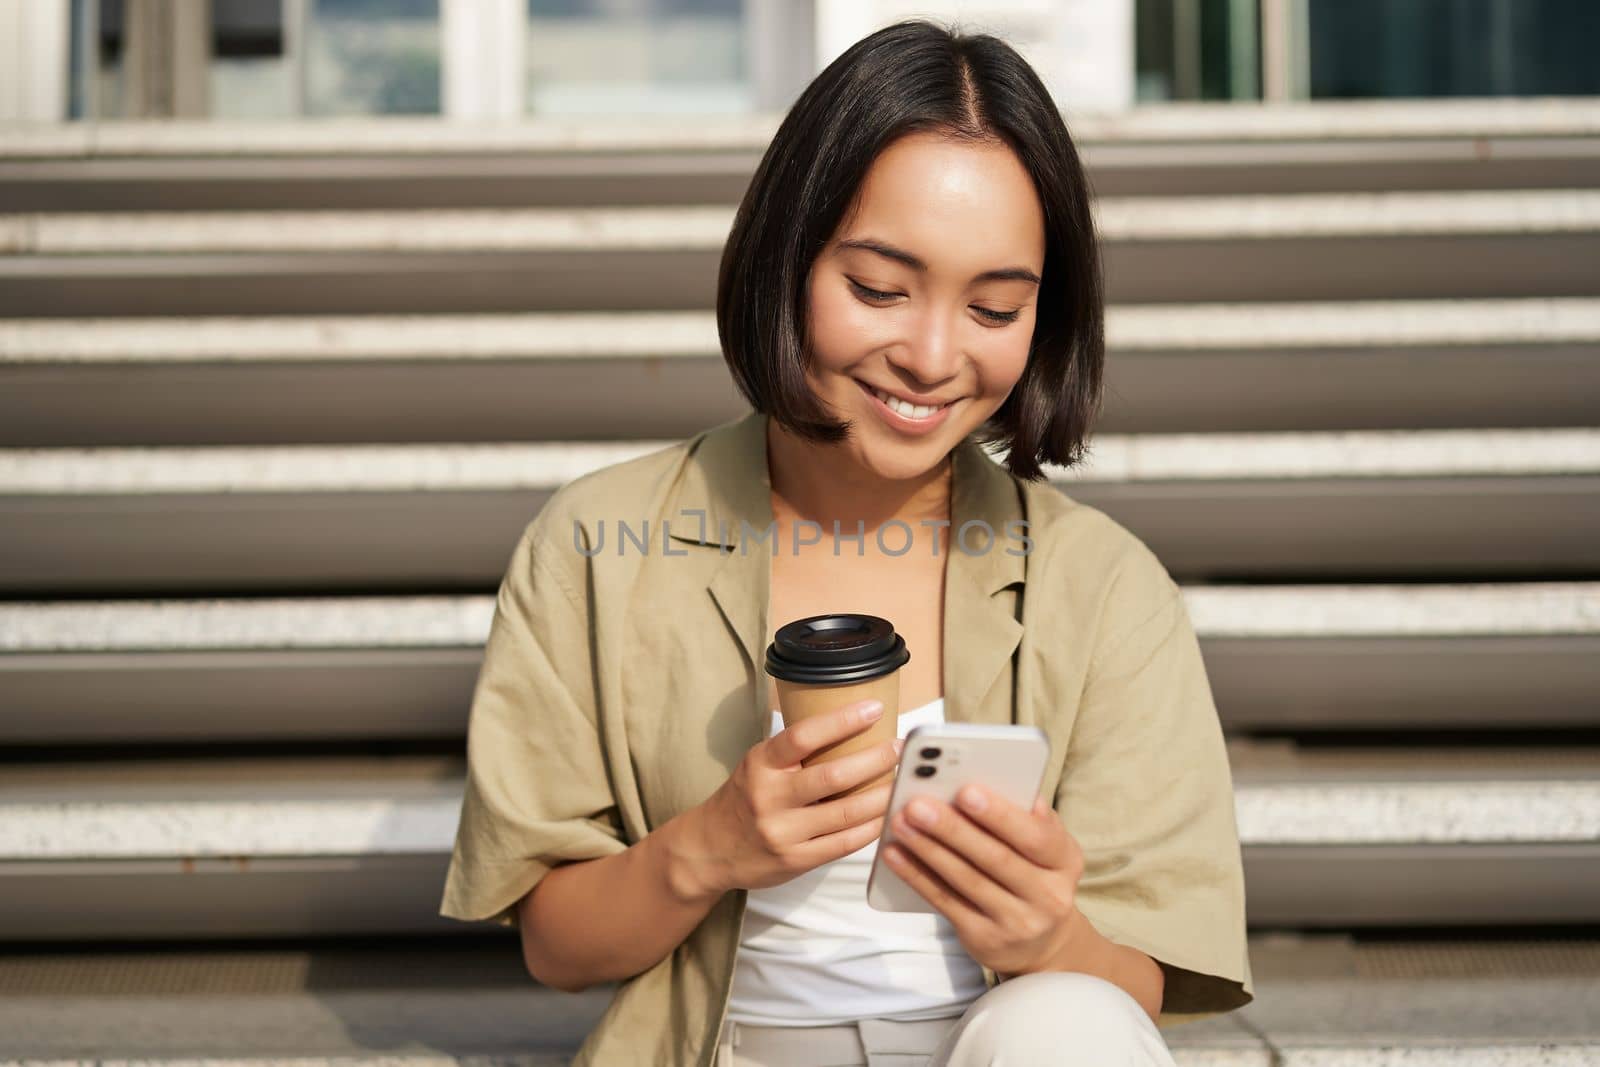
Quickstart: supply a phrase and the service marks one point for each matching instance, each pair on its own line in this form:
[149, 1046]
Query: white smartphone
[936, 762]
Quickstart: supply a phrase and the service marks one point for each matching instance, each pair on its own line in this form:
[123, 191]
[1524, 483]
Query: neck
[823, 483]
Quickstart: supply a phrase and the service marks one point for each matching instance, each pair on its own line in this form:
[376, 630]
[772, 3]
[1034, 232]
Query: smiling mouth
[905, 408]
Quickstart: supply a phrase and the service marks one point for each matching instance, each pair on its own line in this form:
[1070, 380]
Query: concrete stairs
[276, 400]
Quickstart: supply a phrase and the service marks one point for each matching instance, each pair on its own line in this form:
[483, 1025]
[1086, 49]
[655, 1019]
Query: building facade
[504, 59]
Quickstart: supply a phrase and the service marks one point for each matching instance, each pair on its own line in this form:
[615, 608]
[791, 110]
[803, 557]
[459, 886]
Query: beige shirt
[621, 686]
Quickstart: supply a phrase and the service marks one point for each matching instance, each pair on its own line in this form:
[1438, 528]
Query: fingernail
[872, 712]
[921, 814]
[972, 799]
[899, 745]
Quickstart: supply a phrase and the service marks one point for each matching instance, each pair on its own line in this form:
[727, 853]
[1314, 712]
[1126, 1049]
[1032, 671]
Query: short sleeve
[537, 792]
[1147, 792]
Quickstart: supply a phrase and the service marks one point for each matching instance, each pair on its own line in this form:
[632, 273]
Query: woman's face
[921, 307]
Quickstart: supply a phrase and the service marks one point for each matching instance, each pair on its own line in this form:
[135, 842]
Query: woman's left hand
[1006, 877]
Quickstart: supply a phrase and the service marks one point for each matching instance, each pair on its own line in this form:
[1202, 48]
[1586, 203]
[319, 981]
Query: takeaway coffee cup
[823, 662]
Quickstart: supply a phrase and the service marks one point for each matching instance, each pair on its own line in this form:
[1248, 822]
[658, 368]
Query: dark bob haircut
[911, 77]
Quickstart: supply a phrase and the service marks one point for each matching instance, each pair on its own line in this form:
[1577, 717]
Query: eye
[1000, 317]
[876, 295]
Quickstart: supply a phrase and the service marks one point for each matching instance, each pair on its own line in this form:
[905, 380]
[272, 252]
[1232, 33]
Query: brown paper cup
[821, 663]
[800, 702]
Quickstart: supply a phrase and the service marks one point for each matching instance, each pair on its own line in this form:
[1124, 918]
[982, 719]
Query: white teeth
[901, 407]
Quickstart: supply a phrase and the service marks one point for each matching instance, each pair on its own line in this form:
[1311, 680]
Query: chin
[901, 468]
[896, 459]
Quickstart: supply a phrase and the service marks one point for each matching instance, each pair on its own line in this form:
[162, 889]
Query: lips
[892, 412]
[905, 408]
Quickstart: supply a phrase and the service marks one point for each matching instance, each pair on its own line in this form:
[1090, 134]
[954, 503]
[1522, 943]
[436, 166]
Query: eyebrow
[900, 255]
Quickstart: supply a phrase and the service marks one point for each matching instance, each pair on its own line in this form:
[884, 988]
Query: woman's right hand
[773, 819]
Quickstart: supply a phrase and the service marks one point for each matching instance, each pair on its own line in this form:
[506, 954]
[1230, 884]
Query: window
[372, 57]
[636, 56]
[1423, 48]
[258, 59]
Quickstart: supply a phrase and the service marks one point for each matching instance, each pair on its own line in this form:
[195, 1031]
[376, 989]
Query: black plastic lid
[835, 650]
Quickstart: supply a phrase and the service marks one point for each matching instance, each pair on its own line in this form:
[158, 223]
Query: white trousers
[1059, 1019]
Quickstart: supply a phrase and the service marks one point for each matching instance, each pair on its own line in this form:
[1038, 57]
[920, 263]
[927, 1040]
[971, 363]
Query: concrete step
[1320, 1002]
[1441, 504]
[1337, 1001]
[1340, 837]
[1503, 243]
[210, 846]
[585, 376]
[1371, 504]
[1509, 118]
[320, 180]
[694, 227]
[1309, 658]
[1155, 150]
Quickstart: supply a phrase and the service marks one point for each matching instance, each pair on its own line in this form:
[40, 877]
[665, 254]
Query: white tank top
[813, 953]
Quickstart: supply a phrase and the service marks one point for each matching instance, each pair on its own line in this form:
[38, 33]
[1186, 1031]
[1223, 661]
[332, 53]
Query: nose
[931, 354]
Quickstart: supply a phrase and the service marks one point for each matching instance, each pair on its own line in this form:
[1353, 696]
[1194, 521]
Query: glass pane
[373, 57]
[636, 56]
[1155, 42]
[247, 73]
[98, 89]
[1196, 50]
[77, 74]
[250, 72]
[1424, 48]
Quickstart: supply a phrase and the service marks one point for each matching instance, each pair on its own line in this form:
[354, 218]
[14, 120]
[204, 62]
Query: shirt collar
[726, 478]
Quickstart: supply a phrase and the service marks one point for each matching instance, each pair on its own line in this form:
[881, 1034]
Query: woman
[912, 273]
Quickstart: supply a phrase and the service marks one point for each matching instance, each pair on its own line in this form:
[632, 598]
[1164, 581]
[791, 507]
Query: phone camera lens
[930, 753]
[927, 770]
